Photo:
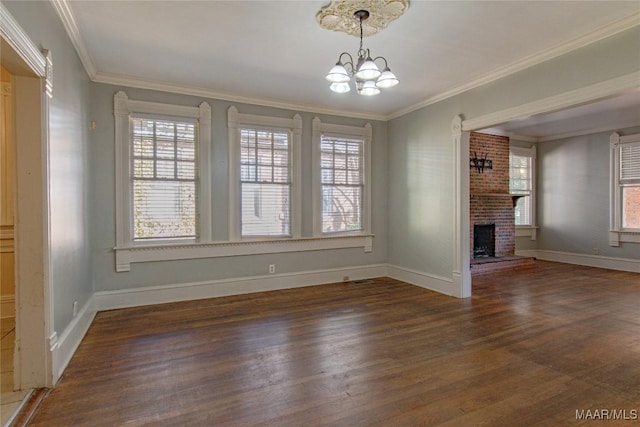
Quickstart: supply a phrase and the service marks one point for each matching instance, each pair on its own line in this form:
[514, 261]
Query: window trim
[123, 108]
[237, 120]
[617, 233]
[318, 128]
[531, 152]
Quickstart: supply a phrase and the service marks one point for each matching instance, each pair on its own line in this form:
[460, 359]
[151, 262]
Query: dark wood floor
[529, 348]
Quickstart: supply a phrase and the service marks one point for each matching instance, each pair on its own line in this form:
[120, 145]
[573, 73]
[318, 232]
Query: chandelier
[368, 77]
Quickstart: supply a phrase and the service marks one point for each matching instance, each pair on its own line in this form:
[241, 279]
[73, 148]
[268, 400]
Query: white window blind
[342, 171]
[630, 185]
[265, 182]
[630, 164]
[520, 184]
[164, 177]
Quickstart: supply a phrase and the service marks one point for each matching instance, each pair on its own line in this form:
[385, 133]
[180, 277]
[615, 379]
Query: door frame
[32, 69]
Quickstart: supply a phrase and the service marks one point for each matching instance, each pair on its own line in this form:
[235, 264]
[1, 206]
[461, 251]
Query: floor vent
[363, 282]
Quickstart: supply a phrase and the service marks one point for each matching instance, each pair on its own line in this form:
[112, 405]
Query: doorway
[24, 215]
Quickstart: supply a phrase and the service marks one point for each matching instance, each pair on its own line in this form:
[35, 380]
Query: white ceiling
[274, 52]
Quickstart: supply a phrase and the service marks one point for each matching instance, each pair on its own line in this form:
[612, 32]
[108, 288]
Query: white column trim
[233, 221]
[205, 214]
[614, 190]
[461, 268]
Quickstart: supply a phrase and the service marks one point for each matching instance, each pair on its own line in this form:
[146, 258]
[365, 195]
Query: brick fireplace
[491, 205]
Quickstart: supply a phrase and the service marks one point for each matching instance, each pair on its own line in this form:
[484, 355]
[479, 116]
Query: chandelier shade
[369, 79]
[338, 74]
[340, 87]
[387, 79]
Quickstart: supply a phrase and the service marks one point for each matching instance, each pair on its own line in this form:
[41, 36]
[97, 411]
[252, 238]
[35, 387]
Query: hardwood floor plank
[529, 348]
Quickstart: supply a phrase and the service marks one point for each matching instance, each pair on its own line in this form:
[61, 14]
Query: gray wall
[573, 196]
[421, 155]
[70, 264]
[185, 271]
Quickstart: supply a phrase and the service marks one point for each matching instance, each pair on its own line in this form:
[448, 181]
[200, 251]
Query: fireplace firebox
[484, 240]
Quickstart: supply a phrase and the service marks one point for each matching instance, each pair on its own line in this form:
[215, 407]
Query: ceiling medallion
[338, 15]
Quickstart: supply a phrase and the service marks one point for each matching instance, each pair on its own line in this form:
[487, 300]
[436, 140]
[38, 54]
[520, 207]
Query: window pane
[631, 207]
[165, 169]
[265, 209]
[522, 211]
[630, 164]
[341, 208]
[519, 174]
[164, 209]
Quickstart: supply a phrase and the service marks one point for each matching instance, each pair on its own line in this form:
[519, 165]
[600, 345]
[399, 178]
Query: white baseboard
[108, 300]
[611, 263]
[63, 347]
[7, 307]
[444, 285]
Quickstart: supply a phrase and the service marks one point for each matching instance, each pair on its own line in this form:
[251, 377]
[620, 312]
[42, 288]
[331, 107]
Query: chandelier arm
[349, 62]
[384, 59]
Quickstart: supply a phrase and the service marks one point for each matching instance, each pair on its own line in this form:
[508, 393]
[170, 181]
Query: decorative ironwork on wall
[480, 163]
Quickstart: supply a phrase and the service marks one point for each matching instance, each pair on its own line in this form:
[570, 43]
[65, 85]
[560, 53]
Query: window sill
[616, 237]
[527, 231]
[125, 256]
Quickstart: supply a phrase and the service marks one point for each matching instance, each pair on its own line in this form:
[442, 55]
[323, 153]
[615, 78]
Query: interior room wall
[208, 269]
[70, 260]
[573, 196]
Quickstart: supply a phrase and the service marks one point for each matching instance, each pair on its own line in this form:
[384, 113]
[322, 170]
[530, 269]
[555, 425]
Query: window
[264, 176]
[341, 177]
[625, 188]
[162, 179]
[522, 184]
[341, 166]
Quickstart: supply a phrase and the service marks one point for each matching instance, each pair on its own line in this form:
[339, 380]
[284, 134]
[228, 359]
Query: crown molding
[63, 9]
[128, 81]
[19, 41]
[528, 61]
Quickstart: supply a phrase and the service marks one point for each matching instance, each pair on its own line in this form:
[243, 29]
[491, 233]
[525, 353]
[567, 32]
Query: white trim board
[64, 347]
[443, 285]
[610, 263]
[108, 300]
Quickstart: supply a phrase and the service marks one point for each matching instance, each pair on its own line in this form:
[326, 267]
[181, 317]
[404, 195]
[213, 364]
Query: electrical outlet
[272, 268]
[596, 251]
[345, 278]
[75, 308]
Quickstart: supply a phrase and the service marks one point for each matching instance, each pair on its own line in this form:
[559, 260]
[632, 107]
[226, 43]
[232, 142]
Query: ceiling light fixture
[368, 77]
